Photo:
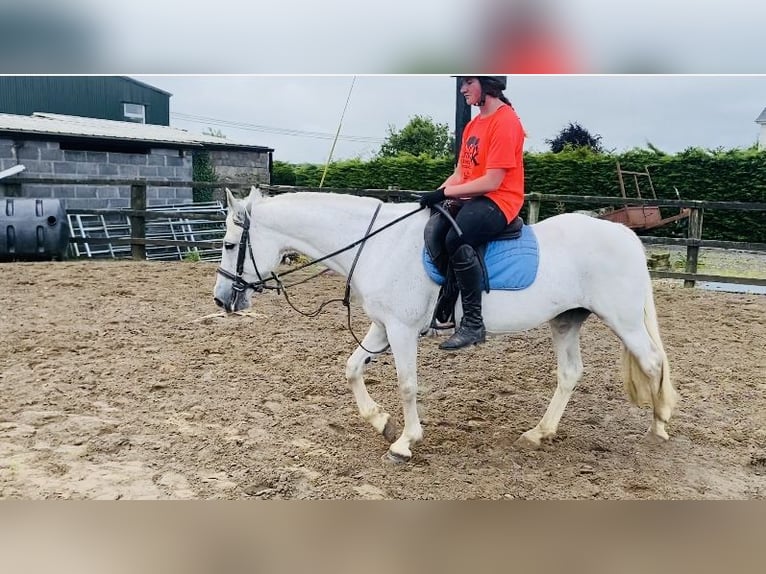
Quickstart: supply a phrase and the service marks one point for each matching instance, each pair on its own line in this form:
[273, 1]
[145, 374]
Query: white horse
[586, 265]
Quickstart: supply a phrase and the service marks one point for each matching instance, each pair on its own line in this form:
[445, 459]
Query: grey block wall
[47, 159]
[241, 165]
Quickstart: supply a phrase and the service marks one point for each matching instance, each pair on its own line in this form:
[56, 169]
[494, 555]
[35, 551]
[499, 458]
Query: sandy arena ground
[110, 388]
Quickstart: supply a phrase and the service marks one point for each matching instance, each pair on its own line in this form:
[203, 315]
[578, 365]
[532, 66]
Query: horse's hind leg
[647, 379]
[375, 340]
[565, 329]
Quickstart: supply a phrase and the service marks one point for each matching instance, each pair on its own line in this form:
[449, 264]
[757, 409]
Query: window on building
[134, 112]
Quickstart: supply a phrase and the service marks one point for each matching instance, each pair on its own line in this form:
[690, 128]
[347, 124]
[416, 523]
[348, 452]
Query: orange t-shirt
[495, 142]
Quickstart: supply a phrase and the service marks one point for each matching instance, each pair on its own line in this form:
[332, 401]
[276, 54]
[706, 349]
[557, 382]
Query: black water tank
[32, 229]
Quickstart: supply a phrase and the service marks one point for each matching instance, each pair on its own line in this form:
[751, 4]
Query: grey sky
[671, 112]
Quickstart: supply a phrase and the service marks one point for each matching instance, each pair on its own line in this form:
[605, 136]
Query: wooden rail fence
[693, 241]
[139, 214]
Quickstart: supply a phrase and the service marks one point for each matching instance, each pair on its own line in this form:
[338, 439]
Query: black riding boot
[470, 277]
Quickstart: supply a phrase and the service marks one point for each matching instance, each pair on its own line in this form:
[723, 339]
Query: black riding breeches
[480, 220]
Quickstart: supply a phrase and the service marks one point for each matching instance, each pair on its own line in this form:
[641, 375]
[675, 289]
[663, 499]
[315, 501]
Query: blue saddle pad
[511, 264]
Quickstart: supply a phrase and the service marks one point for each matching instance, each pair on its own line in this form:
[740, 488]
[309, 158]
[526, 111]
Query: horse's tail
[644, 389]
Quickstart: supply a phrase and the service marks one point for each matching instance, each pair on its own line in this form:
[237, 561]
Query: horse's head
[247, 257]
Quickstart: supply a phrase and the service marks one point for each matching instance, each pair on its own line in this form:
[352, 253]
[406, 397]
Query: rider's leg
[479, 220]
[470, 279]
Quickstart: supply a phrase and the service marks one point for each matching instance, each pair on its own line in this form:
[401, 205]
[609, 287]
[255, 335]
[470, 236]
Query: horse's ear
[230, 200]
[255, 195]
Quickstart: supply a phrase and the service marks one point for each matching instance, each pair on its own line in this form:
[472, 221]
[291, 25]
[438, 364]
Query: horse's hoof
[396, 458]
[390, 432]
[654, 439]
[525, 443]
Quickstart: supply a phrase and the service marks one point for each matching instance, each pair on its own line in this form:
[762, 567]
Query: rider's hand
[430, 198]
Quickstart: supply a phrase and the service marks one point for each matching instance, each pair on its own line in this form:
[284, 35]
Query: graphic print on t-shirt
[471, 154]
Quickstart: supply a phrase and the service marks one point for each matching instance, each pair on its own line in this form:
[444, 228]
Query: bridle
[239, 284]
[245, 248]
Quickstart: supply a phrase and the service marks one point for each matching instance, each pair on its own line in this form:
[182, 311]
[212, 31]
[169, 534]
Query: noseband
[239, 284]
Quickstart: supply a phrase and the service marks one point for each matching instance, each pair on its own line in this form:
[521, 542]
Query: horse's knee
[352, 371]
[355, 366]
[408, 390]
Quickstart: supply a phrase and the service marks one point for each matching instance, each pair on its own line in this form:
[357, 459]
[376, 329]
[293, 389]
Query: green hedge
[713, 175]
[405, 171]
[734, 175]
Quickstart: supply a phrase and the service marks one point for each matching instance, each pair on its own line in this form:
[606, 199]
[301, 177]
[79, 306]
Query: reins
[245, 247]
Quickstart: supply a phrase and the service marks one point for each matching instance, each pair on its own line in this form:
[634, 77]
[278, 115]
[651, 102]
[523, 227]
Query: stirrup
[437, 325]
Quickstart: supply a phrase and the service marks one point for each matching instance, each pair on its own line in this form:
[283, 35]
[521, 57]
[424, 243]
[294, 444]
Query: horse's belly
[516, 311]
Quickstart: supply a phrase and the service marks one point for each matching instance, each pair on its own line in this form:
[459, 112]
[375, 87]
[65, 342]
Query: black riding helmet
[500, 81]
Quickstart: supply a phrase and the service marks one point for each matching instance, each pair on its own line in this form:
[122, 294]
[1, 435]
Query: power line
[270, 129]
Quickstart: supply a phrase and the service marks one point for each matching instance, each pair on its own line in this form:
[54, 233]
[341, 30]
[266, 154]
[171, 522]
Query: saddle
[436, 230]
[434, 234]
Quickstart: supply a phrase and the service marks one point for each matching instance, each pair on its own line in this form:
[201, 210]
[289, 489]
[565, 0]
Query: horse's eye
[229, 246]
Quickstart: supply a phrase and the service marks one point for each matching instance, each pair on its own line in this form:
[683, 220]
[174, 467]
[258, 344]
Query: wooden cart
[640, 217]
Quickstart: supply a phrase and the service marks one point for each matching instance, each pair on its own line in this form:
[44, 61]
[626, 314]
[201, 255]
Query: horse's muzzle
[222, 305]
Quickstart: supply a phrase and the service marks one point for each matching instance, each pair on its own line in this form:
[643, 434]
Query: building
[96, 127]
[78, 148]
[107, 97]
[761, 120]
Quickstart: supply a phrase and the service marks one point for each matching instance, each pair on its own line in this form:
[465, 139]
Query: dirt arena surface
[110, 387]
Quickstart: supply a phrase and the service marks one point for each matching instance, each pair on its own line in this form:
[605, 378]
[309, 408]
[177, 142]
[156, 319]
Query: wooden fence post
[693, 247]
[138, 221]
[534, 210]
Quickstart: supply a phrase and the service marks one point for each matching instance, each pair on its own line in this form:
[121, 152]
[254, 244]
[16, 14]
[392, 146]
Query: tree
[283, 173]
[420, 136]
[575, 136]
[203, 170]
[213, 132]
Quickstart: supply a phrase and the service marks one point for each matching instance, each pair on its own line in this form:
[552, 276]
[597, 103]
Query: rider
[489, 183]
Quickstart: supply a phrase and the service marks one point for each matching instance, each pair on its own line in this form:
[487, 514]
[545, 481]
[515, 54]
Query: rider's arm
[453, 179]
[490, 181]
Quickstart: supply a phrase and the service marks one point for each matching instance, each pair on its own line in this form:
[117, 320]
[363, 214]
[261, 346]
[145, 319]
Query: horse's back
[601, 262]
[582, 224]
[587, 239]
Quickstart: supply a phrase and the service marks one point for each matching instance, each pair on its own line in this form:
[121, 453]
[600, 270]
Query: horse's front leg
[404, 346]
[375, 340]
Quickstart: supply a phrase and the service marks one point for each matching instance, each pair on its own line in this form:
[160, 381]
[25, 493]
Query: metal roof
[145, 85]
[41, 123]
[762, 118]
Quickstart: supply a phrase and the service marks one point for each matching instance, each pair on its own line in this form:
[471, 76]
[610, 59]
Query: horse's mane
[324, 197]
[341, 201]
